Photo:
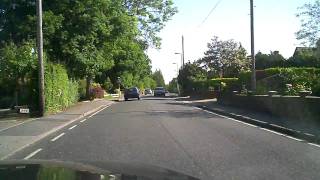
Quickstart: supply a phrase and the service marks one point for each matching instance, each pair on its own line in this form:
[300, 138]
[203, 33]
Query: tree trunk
[88, 87]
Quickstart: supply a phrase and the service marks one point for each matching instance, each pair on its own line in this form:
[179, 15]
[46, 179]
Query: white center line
[32, 154]
[274, 132]
[73, 127]
[312, 144]
[54, 139]
[83, 120]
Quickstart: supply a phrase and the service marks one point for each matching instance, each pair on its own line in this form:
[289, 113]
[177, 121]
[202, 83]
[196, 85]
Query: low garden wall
[307, 108]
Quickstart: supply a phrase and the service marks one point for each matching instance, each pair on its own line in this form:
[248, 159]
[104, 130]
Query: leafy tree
[158, 78]
[274, 59]
[17, 62]
[172, 86]
[191, 73]
[310, 23]
[226, 58]
[304, 59]
[152, 15]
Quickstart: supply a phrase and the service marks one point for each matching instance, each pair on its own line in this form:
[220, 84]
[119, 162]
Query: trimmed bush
[224, 84]
[287, 81]
[60, 92]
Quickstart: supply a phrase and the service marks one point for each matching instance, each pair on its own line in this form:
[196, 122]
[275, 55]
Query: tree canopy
[225, 58]
[310, 23]
[98, 40]
[158, 78]
[274, 59]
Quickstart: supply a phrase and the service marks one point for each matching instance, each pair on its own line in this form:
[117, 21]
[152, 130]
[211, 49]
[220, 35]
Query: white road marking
[309, 134]
[57, 137]
[73, 127]
[274, 132]
[83, 120]
[32, 154]
[296, 139]
[316, 145]
[230, 118]
[98, 111]
[249, 124]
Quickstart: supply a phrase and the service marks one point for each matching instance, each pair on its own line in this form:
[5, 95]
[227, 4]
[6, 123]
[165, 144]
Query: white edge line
[83, 120]
[296, 139]
[32, 154]
[57, 137]
[312, 144]
[249, 124]
[73, 127]
[230, 118]
[274, 132]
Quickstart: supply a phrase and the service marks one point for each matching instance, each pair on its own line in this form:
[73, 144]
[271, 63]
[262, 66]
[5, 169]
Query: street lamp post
[178, 89]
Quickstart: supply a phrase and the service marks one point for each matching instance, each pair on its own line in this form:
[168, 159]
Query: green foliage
[152, 15]
[82, 89]
[95, 39]
[224, 84]
[17, 61]
[278, 79]
[310, 23]
[172, 86]
[225, 58]
[274, 59]
[218, 81]
[190, 74]
[158, 78]
[306, 58]
[107, 85]
[60, 92]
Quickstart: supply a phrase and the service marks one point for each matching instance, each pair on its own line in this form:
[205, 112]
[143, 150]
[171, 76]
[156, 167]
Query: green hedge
[218, 81]
[277, 78]
[60, 92]
[224, 84]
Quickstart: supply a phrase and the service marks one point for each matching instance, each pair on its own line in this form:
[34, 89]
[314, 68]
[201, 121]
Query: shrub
[278, 79]
[225, 84]
[60, 92]
[82, 89]
[96, 91]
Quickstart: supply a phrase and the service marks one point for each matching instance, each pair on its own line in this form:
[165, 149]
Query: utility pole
[40, 58]
[253, 76]
[182, 52]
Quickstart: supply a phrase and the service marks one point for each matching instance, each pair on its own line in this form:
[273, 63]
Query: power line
[211, 11]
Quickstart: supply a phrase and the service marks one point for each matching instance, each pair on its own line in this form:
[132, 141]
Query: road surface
[165, 133]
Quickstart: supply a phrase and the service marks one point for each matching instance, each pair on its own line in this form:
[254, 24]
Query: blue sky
[275, 24]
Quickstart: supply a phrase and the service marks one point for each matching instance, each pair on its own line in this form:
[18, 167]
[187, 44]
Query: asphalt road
[166, 133]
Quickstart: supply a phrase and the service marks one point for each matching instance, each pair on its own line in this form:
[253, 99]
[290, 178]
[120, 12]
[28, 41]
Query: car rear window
[133, 89]
[159, 88]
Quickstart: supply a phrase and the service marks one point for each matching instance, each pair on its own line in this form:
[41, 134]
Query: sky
[275, 27]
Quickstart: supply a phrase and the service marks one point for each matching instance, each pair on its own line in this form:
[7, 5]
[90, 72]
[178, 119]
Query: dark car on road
[132, 93]
[159, 91]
